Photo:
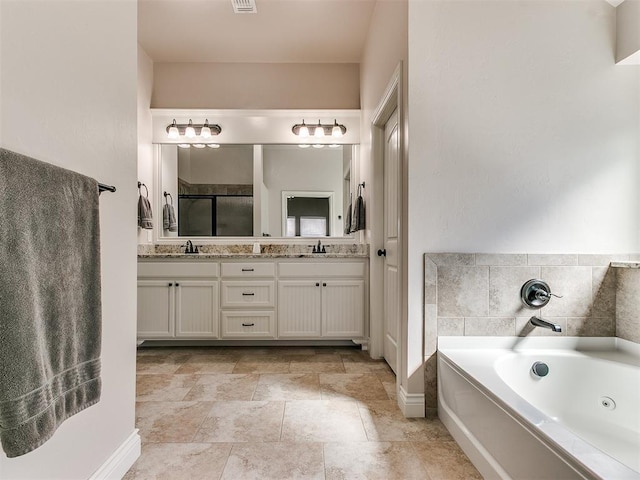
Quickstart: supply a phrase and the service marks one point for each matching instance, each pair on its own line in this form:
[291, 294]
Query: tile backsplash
[479, 294]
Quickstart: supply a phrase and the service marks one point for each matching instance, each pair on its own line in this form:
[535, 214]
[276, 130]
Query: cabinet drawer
[248, 269]
[236, 324]
[172, 269]
[248, 294]
[319, 269]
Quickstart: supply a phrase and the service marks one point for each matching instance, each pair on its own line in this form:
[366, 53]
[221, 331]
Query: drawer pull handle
[248, 324]
[247, 269]
[248, 294]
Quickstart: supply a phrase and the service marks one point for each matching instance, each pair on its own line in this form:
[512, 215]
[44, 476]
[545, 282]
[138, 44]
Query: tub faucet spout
[538, 322]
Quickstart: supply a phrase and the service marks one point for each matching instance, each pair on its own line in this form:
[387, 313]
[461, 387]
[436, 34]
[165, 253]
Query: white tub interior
[566, 418]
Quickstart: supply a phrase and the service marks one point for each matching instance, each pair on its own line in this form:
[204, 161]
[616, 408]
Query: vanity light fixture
[303, 130]
[336, 130]
[304, 145]
[213, 145]
[184, 145]
[205, 131]
[192, 130]
[318, 145]
[198, 145]
[172, 130]
[334, 145]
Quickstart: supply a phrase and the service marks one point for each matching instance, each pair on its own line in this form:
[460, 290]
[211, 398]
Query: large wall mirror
[256, 190]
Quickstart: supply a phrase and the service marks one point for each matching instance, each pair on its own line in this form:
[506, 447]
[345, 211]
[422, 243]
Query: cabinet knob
[324, 284]
[317, 284]
[382, 252]
[177, 284]
[171, 284]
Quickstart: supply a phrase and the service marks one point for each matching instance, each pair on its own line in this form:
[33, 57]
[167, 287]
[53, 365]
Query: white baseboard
[411, 404]
[119, 463]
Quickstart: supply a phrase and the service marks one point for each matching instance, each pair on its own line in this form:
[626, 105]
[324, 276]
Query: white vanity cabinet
[178, 300]
[252, 299]
[248, 300]
[324, 300]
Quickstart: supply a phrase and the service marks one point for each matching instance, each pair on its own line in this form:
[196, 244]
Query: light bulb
[319, 133]
[199, 145]
[303, 131]
[190, 132]
[336, 131]
[205, 132]
[184, 145]
[213, 145]
[173, 131]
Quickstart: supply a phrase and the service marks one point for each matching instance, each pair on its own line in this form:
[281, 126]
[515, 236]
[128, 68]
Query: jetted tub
[580, 421]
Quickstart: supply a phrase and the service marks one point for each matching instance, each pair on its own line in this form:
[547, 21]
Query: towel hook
[166, 194]
[140, 184]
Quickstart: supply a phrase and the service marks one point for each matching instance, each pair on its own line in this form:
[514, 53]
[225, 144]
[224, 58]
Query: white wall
[524, 134]
[386, 47]
[229, 164]
[69, 74]
[256, 85]
[628, 32]
[296, 169]
[145, 131]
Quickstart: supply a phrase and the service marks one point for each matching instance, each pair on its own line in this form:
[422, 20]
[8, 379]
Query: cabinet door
[197, 308]
[299, 309]
[155, 309]
[342, 308]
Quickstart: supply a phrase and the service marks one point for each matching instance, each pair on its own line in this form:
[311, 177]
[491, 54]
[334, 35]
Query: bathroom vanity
[235, 297]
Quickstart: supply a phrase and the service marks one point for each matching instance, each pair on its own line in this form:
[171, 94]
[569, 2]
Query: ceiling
[282, 31]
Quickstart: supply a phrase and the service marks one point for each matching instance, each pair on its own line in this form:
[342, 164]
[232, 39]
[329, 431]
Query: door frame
[390, 101]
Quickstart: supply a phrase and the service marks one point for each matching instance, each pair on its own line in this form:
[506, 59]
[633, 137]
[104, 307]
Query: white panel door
[197, 308]
[299, 309]
[391, 241]
[342, 308]
[155, 309]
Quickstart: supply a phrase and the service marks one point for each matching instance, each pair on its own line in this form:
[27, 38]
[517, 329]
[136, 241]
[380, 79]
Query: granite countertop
[252, 255]
[245, 251]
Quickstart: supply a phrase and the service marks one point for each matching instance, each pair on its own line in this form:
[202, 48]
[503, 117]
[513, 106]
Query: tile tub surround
[336, 250]
[275, 415]
[479, 294]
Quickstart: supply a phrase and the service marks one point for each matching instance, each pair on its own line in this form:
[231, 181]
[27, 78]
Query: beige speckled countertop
[245, 251]
[251, 255]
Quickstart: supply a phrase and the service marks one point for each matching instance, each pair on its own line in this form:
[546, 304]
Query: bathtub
[580, 421]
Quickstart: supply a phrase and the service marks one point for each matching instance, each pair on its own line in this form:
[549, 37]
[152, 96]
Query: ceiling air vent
[244, 6]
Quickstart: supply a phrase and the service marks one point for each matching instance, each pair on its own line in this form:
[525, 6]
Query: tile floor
[281, 413]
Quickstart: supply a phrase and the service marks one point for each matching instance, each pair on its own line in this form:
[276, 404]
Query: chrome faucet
[320, 248]
[188, 247]
[538, 322]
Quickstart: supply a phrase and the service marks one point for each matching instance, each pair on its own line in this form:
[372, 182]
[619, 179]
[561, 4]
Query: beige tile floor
[282, 413]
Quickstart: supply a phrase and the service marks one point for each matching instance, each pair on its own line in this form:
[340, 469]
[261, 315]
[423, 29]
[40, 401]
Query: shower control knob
[540, 369]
